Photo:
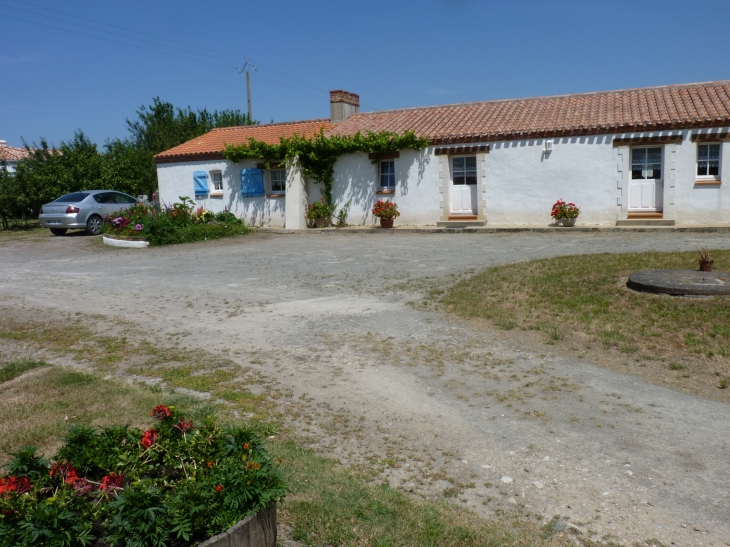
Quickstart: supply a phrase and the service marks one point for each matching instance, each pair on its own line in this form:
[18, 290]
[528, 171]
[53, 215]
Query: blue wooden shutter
[252, 182]
[201, 182]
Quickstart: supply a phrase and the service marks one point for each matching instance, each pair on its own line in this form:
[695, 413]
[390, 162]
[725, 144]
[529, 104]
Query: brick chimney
[343, 104]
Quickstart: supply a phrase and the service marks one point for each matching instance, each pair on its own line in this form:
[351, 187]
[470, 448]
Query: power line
[154, 50]
[159, 38]
[260, 65]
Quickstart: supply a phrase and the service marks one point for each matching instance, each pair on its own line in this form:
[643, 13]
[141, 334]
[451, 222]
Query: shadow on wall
[358, 182]
[254, 211]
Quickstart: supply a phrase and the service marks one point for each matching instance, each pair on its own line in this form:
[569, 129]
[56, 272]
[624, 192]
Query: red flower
[19, 485]
[149, 438]
[219, 488]
[82, 486]
[183, 426]
[161, 412]
[210, 464]
[66, 471]
[246, 446]
[112, 481]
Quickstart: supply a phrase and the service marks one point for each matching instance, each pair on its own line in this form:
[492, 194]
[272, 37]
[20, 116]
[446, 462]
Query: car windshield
[75, 197]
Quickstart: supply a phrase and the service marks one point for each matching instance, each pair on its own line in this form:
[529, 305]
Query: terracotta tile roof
[9, 153]
[210, 145]
[652, 108]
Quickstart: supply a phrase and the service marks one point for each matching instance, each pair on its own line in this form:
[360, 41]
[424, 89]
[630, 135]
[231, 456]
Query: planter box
[125, 241]
[257, 530]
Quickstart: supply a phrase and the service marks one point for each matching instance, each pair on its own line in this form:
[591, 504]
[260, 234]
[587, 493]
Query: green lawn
[581, 302]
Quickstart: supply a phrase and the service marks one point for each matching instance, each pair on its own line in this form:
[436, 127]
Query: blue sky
[395, 54]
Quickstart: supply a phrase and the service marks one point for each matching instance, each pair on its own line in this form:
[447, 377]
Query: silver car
[83, 210]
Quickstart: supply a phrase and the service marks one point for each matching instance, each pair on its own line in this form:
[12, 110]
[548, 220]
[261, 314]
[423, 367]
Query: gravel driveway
[438, 407]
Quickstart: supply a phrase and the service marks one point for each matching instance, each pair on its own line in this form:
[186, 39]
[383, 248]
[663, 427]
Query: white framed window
[708, 161]
[278, 181]
[217, 178]
[387, 174]
[464, 170]
[646, 163]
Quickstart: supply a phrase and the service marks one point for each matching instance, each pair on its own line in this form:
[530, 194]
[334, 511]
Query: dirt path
[436, 407]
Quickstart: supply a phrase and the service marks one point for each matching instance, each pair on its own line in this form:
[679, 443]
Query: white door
[464, 185]
[646, 188]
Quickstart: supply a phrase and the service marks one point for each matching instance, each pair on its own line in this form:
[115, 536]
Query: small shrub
[178, 223]
[172, 484]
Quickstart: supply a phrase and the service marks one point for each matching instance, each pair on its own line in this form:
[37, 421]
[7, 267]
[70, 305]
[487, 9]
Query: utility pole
[247, 66]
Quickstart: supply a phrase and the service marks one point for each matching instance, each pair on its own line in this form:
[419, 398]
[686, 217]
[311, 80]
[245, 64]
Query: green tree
[161, 126]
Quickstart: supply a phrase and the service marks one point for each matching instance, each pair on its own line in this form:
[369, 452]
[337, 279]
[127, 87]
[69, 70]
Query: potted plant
[320, 212]
[387, 211]
[705, 261]
[565, 213]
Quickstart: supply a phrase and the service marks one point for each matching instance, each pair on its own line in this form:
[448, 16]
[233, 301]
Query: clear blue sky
[393, 53]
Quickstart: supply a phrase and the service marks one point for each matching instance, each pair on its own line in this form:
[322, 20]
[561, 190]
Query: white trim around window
[277, 180]
[216, 179]
[386, 175]
[708, 161]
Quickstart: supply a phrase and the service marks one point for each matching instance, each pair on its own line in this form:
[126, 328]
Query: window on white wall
[278, 181]
[708, 161]
[387, 174]
[465, 170]
[646, 163]
[217, 178]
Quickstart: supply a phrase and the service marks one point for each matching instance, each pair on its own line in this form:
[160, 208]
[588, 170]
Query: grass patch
[13, 369]
[327, 505]
[584, 298]
[330, 506]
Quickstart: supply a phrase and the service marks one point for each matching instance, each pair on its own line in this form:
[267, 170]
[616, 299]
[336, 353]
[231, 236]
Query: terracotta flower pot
[568, 222]
[706, 265]
[386, 222]
[320, 222]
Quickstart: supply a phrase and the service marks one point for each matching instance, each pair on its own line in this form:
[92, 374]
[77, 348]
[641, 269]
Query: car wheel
[93, 226]
[58, 231]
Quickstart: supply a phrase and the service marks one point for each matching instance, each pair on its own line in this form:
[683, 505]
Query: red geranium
[110, 482]
[161, 412]
[149, 438]
[564, 210]
[183, 426]
[19, 485]
[66, 471]
[385, 209]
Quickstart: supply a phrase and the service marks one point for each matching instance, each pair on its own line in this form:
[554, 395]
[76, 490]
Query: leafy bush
[179, 223]
[174, 484]
[319, 209]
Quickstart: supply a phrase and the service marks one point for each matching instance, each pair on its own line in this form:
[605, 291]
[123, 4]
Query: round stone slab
[680, 282]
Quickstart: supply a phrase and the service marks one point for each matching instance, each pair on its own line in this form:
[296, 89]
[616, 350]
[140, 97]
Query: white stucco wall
[700, 204]
[417, 185]
[520, 184]
[176, 179]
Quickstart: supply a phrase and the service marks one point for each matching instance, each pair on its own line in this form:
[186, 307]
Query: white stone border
[125, 243]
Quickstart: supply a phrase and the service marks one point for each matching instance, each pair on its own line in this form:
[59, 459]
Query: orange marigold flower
[246, 446]
[219, 488]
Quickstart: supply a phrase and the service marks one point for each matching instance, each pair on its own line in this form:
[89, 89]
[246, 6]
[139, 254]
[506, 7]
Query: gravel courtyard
[439, 407]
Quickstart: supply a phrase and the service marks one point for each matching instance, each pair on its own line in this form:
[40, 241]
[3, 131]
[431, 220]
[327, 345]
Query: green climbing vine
[317, 156]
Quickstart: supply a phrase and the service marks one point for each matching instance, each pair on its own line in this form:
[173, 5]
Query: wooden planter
[257, 530]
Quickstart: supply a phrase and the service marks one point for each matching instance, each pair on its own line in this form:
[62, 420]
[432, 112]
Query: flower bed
[172, 485]
[178, 223]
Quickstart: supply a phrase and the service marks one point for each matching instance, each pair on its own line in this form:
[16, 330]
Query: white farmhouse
[11, 155]
[639, 155]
